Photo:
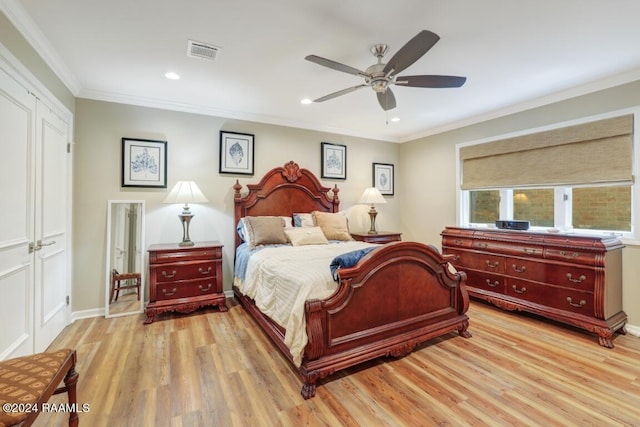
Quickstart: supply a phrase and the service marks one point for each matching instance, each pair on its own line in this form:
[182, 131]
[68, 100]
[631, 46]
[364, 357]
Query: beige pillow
[265, 230]
[299, 236]
[333, 225]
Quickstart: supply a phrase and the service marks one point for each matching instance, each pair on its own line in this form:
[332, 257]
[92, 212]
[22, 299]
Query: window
[577, 177]
[605, 209]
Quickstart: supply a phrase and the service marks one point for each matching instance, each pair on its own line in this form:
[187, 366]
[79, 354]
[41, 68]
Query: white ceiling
[515, 55]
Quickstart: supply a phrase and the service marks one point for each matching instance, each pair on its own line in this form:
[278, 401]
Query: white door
[17, 217]
[34, 221]
[52, 214]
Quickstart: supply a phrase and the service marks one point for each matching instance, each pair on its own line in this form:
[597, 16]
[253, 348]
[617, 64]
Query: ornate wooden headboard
[283, 191]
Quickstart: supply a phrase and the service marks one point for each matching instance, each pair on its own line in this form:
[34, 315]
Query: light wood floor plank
[218, 369]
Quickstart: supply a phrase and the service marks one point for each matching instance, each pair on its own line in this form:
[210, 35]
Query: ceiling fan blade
[430, 81]
[411, 51]
[339, 93]
[387, 100]
[335, 65]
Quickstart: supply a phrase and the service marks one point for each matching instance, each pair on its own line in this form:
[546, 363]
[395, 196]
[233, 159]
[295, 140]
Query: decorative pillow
[333, 225]
[300, 236]
[264, 230]
[303, 220]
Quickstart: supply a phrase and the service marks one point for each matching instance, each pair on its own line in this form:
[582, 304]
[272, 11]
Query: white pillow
[299, 236]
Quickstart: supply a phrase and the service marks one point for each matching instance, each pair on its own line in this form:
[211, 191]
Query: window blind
[589, 153]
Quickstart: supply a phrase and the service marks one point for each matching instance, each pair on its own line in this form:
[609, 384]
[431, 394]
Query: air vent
[202, 50]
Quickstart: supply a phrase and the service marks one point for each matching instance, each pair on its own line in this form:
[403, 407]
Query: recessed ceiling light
[172, 76]
[395, 119]
[306, 101]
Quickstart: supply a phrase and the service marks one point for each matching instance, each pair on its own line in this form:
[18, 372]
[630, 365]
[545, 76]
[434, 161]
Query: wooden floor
[218, 369]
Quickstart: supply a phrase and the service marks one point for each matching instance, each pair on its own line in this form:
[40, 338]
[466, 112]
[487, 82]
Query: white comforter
[281, 279]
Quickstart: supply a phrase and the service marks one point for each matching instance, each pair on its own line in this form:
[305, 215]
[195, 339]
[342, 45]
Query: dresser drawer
[570, 255]
[477, 261]
[565, 299]
[486, 281]
[185, 271]
[192, 288]
[456, 241]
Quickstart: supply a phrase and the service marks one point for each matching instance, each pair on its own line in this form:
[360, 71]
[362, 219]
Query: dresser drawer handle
[168, 276]
[481, 245]
[168, 294]
[492, 264]
[205, 289]
[519, 270]
[457, 242]
[529, 251]
[519, 291]
[579, 305]
[494, 284]
[573, 254]
[580, 279]
[204, 272]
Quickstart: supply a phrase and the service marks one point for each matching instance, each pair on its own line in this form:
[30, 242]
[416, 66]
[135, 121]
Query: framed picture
[383, 178]
[144, 163]
[334, 160]
[236, 153]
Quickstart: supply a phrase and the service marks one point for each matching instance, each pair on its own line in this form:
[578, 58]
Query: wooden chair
[116, 285]
[28, 382]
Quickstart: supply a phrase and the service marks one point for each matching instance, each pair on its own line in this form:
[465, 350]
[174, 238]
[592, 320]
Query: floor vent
[202, 50]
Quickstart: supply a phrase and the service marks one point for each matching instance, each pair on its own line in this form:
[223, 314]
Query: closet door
[17, 217]
[52, 214]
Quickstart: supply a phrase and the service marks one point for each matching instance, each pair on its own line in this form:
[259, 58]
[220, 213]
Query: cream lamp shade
[185, 192]
[372, 196]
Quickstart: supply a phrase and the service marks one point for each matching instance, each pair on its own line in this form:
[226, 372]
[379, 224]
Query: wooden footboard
[397, 297]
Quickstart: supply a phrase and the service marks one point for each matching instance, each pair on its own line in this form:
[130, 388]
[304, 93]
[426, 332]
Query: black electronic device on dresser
[512, 225]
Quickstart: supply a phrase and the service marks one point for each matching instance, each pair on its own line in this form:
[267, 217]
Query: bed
[394, 298]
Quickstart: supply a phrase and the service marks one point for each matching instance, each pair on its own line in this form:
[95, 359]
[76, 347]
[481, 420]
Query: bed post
[237, 199]
[335, 201]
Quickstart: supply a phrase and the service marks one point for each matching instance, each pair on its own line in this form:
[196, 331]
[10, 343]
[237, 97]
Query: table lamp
[372, 196]
[185, 192]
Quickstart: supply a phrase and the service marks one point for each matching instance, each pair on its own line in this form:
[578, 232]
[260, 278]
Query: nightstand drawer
[169, 291]
[171, 257]
[185, 271]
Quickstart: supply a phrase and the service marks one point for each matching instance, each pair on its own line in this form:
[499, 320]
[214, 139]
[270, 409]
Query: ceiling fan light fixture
[379, 86]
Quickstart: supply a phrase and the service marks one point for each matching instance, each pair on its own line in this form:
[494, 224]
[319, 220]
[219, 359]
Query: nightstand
[380, 237]
[184, 278]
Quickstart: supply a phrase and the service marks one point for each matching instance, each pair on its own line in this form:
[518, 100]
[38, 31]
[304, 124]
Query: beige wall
[427, 173]
[193, 151]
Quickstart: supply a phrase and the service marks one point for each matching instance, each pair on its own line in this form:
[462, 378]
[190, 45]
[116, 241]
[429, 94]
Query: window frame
[562, 209]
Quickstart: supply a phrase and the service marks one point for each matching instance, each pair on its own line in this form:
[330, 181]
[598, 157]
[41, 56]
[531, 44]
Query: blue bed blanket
[348, 259]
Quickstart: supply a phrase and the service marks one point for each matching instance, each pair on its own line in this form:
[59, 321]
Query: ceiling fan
[380, 76]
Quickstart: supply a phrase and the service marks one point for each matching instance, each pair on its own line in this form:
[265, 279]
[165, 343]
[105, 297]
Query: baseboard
[86, 314]
[633, 330]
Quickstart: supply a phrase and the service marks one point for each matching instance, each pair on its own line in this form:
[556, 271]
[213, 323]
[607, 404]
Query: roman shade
[590, 153]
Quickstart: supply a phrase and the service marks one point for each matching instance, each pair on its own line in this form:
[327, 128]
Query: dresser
[184, 278]
[572, 279]
[379, 237]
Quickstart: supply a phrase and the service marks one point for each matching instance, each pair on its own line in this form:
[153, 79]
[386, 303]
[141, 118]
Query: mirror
[124, 282]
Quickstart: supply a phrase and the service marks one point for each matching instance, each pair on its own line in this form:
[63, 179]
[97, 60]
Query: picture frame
[144, 163]
[236, 153]
[333, 160]
[383, 177]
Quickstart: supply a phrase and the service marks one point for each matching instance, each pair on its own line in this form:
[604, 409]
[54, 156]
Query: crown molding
[23, 22]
